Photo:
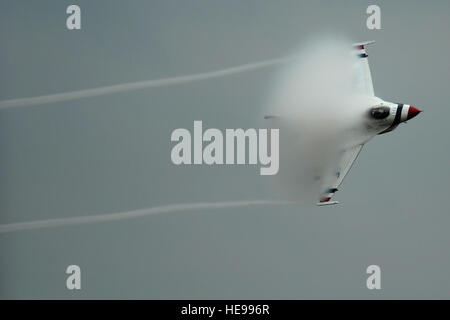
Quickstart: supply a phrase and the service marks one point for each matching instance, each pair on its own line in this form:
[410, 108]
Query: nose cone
[412, 112]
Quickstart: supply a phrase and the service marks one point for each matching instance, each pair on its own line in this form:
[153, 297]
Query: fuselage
[376, 116]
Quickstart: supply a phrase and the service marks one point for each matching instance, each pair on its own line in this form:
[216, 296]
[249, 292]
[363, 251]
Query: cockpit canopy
[379, 112]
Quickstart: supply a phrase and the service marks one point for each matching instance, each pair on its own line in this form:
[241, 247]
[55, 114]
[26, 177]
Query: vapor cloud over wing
[313, 102]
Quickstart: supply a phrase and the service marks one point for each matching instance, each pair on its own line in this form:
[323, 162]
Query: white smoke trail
[59, 222]
[72, 95]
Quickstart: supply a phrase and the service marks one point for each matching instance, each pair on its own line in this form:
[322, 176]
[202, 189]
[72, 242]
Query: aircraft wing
[338, 173]
[363, 77]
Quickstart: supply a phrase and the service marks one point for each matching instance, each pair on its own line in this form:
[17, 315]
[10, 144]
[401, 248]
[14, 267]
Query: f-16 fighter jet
[375, 116]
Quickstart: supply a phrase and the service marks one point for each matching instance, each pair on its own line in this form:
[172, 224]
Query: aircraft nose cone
[412, 112]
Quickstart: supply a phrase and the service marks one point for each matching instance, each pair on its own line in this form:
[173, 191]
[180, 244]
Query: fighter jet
[377, 116]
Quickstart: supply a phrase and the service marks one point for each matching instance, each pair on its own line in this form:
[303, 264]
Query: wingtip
[360, 45]
[328, 203]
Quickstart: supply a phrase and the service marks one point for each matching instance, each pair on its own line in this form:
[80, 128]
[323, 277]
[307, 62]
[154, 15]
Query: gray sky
[112, 153]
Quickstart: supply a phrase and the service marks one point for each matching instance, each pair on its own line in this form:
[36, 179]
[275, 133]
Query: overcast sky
[112, 153]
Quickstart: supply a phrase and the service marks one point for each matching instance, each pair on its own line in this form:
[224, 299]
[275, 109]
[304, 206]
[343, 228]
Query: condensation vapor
[313, 104]
[313, 101]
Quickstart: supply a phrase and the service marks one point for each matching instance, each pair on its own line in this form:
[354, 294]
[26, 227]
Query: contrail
[73, 95]
[60, 222]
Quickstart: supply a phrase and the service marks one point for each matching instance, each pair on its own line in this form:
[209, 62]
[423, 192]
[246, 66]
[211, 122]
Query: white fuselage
[364, 126]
